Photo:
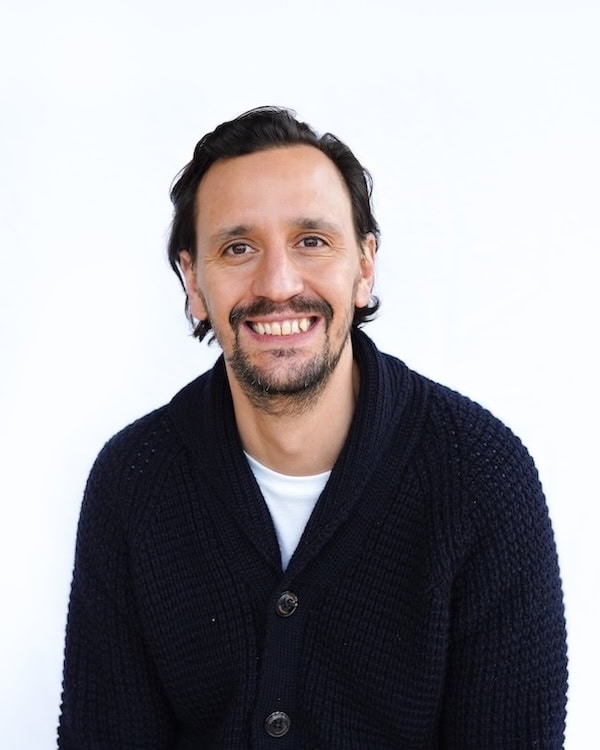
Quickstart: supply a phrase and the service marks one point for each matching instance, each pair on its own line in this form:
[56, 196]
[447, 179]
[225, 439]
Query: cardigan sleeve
[507, 666]
[112, 697]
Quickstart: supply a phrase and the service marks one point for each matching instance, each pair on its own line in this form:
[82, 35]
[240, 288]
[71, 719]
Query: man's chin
[286, 377]
[296, 386]
[282, 384]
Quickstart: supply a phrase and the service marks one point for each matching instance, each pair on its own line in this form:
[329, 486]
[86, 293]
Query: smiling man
[276, 250]
[311, 546]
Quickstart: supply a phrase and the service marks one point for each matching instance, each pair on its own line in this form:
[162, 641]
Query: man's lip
[264, 310]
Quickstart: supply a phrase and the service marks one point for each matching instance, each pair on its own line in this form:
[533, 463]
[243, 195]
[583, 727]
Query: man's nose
[277, 276]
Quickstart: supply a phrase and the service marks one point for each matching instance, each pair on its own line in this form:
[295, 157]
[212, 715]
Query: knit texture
[429, 599]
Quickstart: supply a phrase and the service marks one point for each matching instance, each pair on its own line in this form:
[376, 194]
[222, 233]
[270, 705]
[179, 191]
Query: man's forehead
[289, 160]
[300, 168]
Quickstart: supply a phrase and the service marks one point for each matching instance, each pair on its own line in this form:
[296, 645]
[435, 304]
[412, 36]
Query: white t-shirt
[290, 501]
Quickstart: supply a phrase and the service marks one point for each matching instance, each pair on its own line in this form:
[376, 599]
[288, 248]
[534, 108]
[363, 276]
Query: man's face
[279, 269]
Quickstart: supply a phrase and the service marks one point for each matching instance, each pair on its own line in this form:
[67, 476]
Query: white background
[480, 122]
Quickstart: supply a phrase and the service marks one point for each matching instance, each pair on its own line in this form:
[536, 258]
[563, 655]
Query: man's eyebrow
[303, 223]
[229, 233]
[317, 224]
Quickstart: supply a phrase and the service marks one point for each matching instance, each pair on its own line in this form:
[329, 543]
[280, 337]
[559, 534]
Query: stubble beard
[299, 387]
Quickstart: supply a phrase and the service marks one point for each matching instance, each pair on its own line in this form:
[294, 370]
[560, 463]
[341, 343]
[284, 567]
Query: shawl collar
[386, 424]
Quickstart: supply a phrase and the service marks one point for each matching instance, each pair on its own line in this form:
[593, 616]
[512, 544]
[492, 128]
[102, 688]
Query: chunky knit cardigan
[424, 606]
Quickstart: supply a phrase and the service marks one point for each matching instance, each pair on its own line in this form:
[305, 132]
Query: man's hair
[262, 129]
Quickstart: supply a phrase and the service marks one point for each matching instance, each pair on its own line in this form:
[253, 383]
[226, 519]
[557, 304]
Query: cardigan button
[287, 604]
[277, 724]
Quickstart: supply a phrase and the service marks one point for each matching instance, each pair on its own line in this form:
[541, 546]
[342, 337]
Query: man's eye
[237, 248]
[312, 242]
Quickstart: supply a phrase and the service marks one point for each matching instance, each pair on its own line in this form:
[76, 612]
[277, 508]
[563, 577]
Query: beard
[290, 388]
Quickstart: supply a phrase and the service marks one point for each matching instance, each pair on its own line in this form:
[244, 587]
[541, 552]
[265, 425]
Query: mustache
[302, 305]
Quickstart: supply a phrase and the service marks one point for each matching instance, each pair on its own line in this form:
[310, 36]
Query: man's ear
[368, 248]
[196, 301]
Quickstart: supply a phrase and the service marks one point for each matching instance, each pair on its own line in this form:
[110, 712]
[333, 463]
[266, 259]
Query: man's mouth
[285, 327]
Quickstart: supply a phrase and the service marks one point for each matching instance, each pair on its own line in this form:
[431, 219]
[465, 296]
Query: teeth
[285, 328]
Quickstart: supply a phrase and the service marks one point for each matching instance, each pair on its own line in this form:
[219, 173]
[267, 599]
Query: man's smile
[298, 317]
[285, 327]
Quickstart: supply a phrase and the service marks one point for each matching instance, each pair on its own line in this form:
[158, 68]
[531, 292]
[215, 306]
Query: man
[310, 546]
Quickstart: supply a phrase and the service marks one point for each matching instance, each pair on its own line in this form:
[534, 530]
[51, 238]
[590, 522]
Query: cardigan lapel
[203, 414]
[386, 425]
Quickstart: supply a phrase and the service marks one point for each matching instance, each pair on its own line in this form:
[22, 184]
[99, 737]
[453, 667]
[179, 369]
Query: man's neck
[305, 442]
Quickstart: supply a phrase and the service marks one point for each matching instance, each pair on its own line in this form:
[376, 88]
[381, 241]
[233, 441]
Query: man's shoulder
[468, 452]
[425, 402]
[144, 445]
[470, 419]
[133, 449]
[490, 456]
[449, 415]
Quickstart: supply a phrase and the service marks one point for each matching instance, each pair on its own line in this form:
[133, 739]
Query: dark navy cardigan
[429, 608]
